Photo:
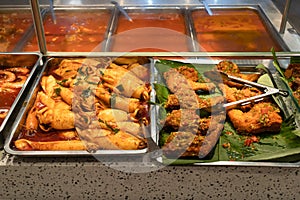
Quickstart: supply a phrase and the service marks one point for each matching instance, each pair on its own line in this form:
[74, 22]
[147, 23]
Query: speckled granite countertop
[87, 178]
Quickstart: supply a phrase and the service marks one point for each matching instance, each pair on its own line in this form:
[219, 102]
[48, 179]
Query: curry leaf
[276, 63]
[162, 93]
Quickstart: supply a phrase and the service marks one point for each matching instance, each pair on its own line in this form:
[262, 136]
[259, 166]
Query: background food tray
[76, 29]
[16, 25]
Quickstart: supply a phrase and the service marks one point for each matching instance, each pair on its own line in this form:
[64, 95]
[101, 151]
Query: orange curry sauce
[238, 30]
[151, 31]
[74, 31]
[13, 26]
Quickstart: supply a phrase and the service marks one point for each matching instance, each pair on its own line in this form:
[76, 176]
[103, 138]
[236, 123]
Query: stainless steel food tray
[289, 109]
[74, 9]
[264, 19]
[31, 60]
[182, 11]
[28, 102]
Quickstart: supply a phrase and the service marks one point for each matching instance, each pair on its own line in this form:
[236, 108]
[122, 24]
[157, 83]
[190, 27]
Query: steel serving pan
[271, 32]
[173, 19]
[68, 27]
[28, 102]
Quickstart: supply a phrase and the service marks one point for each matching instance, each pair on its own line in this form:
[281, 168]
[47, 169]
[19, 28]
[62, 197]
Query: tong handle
[283, 93]
[268, 91]
[207, 8]
[121, 9]
[52, 11]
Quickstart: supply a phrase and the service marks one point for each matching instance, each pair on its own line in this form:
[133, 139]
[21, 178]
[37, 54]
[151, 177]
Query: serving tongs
[52, 12]
[266, 89]
[153, 150]
[206, 6]
[121, 9]
[3, 110]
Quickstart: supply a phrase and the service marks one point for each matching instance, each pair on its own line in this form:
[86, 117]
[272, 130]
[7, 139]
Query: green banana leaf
[283, 146]
[280, 70]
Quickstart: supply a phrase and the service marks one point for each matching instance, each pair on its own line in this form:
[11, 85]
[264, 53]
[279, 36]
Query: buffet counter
[44, 169]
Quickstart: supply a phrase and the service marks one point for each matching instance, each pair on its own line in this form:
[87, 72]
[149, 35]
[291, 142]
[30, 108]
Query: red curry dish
[237, 30]
[12, 80]
[73, 31]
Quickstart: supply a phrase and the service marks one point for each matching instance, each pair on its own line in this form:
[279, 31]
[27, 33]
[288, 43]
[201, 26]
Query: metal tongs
[121, 9]
[3, 110]
[52, 12]
[266, 89]
[206, 6]
[153, 150]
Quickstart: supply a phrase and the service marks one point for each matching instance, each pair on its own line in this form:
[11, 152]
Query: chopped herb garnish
[81, 72]
[114, 130]
[86, 93]
[92, 83]
[77, 82]
[61, 82]
[57, 91]
[120, 88]
[101, 73]
[113, 99]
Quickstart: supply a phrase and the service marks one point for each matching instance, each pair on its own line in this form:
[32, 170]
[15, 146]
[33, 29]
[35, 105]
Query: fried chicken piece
[234, 94]
[188, 72]
[232, 69]
[228, 67]
[262, 117]
[172, 102]
[205, 87]
[297, 95]
[293, 70]
[178, 85]
[182, 144]
[206, 104]
[183, 119]
[187, 144]
[293, 73]
[212, 133]
[177, 81]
